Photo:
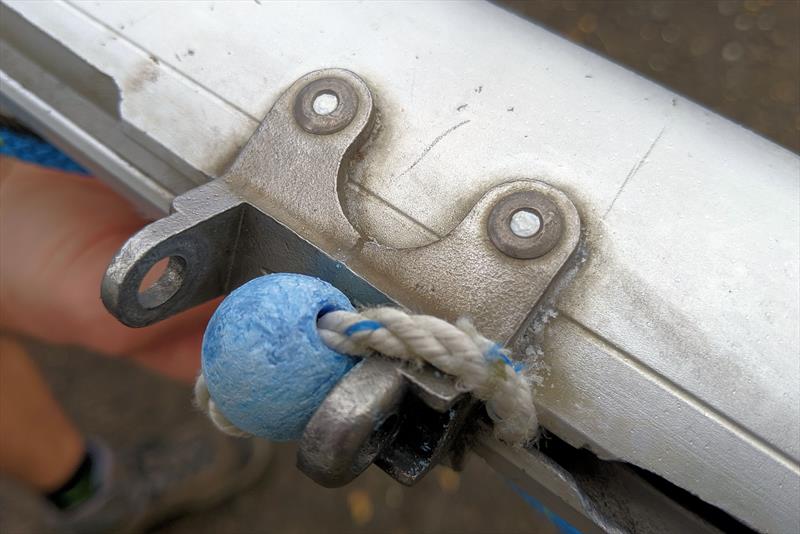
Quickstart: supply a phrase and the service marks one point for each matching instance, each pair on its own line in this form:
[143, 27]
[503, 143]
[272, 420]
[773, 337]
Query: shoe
[162, 478]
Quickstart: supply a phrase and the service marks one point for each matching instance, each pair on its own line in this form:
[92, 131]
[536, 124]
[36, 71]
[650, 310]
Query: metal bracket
[371, 416]
[277, 209]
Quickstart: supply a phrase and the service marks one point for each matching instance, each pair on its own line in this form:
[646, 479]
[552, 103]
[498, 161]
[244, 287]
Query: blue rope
[363, 326]
[33, 149]
[494, 353]
[562, 525]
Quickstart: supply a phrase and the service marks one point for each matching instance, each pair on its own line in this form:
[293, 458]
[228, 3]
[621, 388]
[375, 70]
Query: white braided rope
[203, 401]
[479, 365]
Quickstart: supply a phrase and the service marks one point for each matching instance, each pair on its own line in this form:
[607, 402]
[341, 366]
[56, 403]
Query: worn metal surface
[288, 175]
[294, 177]
[693, 369]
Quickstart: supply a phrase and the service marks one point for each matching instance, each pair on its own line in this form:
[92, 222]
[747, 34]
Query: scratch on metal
[433, 144]
[635, 169]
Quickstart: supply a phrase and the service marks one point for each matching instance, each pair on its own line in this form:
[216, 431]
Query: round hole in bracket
[170, 273]
[154, 274]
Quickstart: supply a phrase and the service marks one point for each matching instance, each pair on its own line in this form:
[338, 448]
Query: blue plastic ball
[263, 361]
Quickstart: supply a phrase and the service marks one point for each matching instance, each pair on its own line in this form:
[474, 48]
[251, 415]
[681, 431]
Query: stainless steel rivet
[325, 103]
[325, 106]
[525, 225]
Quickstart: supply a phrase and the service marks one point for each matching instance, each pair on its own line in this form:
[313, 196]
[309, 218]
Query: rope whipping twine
[480, 366]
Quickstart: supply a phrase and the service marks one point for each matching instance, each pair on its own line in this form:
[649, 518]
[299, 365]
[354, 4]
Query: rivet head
[325, 103]
[325, 106]
[525, 225]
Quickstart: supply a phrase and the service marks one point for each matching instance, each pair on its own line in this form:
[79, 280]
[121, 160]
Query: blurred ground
[740, 58]
[123, 403]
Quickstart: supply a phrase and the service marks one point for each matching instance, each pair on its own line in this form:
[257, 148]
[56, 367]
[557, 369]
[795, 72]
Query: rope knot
[479, 365]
